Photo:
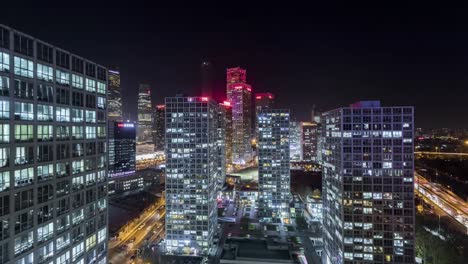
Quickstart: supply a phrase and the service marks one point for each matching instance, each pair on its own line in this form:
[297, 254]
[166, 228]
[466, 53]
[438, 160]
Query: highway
[441, 153]
[443, 198]
[144, 229]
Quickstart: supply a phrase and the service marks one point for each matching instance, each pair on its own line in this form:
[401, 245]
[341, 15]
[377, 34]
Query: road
[441, 153]
[135, 234]
[443, 198]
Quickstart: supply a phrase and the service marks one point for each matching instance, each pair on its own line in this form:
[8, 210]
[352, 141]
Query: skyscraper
[273, 163]
[368, 198]
[239, 93]
[145, 121]
[159, 125]
[262, 101]
[193, 157]
[114, 97]
[52, 154]
[295, 139]
[228, 133]
[122, 149]
[309, 141]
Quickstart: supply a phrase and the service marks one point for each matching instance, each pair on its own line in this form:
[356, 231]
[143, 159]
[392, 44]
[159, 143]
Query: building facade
[239, 94]
[53, 168]
[368, 188]
[114, 96]
[226, 105]
[122, 149]
[295, 141]
[159, 125]
[193, 157]
[262, 101]
[145, 111]
[309, 141]
[273, 163]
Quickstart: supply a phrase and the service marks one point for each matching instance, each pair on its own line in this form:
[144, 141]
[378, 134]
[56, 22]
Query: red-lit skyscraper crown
[236, 75]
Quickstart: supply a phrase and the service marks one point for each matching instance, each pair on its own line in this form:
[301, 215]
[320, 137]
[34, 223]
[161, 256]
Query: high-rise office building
[273, 163]
[295, 141]
[193, 157]
[145, 122]
[114, 97]
[52, 154]
[309, 141]
[239, 93]
[122, 149]
[262, 101]
[228, 134]
[368, 188]
[159, 124]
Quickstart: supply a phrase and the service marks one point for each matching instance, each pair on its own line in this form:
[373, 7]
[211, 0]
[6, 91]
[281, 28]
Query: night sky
[328, 55]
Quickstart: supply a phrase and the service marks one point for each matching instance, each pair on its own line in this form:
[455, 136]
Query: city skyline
[322, 57]
[203, 135]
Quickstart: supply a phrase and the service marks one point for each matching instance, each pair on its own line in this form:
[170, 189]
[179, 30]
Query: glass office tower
[239, 94]
[145, 111]
[273, 163]
[53, 184]
[194, 154]
[368, 189]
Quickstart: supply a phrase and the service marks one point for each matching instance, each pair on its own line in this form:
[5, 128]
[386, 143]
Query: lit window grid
[385, 192]
[194, 162]
[17, 250]
[273, 160]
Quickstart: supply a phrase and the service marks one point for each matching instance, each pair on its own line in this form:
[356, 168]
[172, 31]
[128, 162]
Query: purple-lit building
[239, 94]
[368, 184]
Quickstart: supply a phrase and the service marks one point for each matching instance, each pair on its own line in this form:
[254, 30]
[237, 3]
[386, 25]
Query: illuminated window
[101, 88]
[4, 62]
[4, 86]
[90, 242]
[24, 133]
[90, 85]
[4, 177]
[77, 115]
[90, 116]
[90, 132]
[24, 111]
[45, 73]
[4, 133]
[62, 77]
[24, 67]
[77, 81]
[45, 113]
[62, 114]
[4, 109]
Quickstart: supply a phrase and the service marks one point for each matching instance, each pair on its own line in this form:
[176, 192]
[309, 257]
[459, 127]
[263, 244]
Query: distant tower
[144, 114]
[159, 127]
[239, 94]
[114, 96]
[207, 79]
[295, 139]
